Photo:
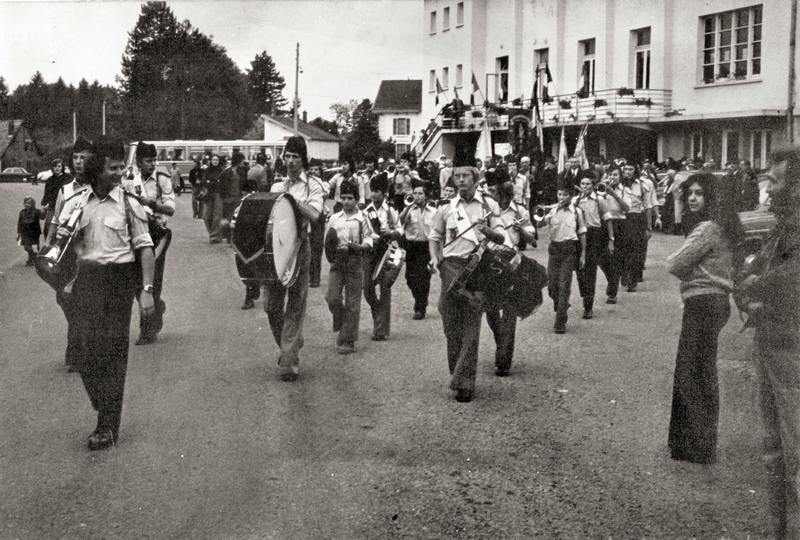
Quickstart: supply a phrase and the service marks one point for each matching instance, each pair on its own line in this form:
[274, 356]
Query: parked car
[15, 174]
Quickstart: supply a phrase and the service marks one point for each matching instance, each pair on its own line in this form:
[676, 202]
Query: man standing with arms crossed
[287, 324]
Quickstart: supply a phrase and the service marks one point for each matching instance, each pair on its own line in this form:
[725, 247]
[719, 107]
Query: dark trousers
[503, 323]
[316, 239]
[560, 265]
[73, 334]
[695, 391]
[151, 326]
[345, 277]
[103, 297]
[252, 290]
[611, 263]
[596, 245]
[418, 277]
[461, 321]
[380, 303]
[635, 225]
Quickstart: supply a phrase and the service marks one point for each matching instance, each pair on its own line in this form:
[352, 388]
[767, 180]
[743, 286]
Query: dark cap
[144, 150]
[82, 144]
[297, 145]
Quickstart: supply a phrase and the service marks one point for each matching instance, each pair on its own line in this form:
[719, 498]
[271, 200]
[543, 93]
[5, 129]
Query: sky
[346, 46]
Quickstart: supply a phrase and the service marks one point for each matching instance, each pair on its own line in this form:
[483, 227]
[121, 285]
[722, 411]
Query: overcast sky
[346, 46]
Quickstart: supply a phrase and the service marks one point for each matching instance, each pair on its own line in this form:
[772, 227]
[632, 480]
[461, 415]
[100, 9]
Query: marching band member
[82, 150]
[638, 226]
[457, 231]
[287, 323]
[113, 237]
[385, 228]
[502, 318]
[598, 235]
[58, 178]
[154, 189]
[614, 211]
[522, 192]
[567, 239]
[417, 219]
[317, 235]
[402, 182]
[354, 236]
[346, 173]
[366, 176]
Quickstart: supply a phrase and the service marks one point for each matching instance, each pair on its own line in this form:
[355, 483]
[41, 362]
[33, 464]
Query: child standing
[28, 228]
[567, 230]
[354, 235]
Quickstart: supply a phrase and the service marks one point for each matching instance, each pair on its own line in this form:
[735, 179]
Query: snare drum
[388, 269]
[489, 272]
[267, 238]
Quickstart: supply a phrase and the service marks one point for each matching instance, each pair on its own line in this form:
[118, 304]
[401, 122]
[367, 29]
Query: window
[586, 49]
[432, 81]
[446, 19]
[460, 14]
[401, 126]
[445, 78]
[731, 45]
[459, 76]
[501, 90]
[400, 149]
[641, 51]
[433, 22]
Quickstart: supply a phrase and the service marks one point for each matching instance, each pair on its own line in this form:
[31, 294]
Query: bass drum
[266, 238]
[388, 269]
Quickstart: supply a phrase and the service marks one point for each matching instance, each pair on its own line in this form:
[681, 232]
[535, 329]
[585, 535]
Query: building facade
[651, 78]
[398, 107]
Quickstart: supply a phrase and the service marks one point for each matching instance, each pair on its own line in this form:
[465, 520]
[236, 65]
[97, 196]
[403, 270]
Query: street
[369, 445]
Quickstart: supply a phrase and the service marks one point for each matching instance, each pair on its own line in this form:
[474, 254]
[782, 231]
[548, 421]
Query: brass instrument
[58, 265]
[409, 199]
[540, 210]
[601, 188]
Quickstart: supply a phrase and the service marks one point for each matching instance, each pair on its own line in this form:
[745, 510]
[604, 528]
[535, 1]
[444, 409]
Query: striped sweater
[704, 263]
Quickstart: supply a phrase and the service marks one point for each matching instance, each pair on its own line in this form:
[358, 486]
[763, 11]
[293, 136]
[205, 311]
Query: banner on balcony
[580, 148]
[562, 153]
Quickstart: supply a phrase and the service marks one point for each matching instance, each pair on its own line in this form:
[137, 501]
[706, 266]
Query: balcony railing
[606, 106]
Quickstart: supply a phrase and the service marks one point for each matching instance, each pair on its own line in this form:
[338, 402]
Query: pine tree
[265, 85]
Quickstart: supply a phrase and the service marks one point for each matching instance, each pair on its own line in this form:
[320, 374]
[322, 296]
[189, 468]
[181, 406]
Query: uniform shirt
[522, 191]
[637, 197]
[418, 223]
[650, 188]
[610, 207]
[565, 223]
[66, 192]
[351, 228]
[457, 216]
[515, 213]
[306, 190]
[156, 186]
[386, 215]
[592, 209]
[337, 180]
[108, 234]
[444, 175]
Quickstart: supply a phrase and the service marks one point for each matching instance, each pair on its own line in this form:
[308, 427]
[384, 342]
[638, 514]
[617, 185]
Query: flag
[535, 91]
[455, 91]
[484, 146]
[439, 90]
[536, 117]
[548, 86]
[580, 148]
[583, 81]
[475, 88]
[562, 153]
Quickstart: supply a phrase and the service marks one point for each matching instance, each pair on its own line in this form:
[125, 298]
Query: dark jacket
[28, 226]
[51, 188]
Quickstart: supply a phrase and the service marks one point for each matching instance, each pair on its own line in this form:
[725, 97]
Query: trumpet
[409, 199]
[540, 210]
[601, 189]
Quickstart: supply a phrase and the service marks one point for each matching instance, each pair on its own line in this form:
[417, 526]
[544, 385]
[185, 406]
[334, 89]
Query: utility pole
[296, 79]
[792, 74]
[74, 127]
[104, 116]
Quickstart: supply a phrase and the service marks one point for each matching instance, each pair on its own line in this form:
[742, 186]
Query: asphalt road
[370, 445]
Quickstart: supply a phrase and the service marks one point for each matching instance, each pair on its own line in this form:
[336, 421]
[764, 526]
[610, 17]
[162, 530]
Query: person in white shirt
[417, 219]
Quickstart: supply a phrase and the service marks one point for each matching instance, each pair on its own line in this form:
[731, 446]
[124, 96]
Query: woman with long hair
[212, 202]
[704, 264]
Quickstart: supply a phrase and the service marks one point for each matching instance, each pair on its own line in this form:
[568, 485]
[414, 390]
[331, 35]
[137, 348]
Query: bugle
[601, 188]
[409, 199]
[541, 210]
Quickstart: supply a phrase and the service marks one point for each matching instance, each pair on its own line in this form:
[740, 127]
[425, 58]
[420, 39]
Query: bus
[184, 153]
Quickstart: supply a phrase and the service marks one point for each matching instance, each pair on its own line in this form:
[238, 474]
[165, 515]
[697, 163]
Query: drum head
[285, 240]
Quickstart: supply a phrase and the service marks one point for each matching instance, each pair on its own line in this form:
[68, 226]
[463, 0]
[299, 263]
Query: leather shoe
[145, 340]
[378, 337]
[100, 440]
[418, 315]
[632, 288]
[611, 300]
[588, 314]
[463, 395]
[502, 372]
[248, 304]
[560, 328]
[345, 348]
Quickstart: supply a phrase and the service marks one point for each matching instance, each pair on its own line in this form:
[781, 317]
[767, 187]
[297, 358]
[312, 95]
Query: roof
[5, 137]
[397, 96]
[306, 130]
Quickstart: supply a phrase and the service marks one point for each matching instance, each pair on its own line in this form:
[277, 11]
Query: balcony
[606, 106]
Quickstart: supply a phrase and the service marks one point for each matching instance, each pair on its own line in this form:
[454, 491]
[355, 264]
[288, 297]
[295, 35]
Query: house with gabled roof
[321, 144]
[398, 107]
[17, 146]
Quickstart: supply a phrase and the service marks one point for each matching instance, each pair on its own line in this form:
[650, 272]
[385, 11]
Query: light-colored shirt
[157, 186]
[66, 192]
[592, 209]
[444, 175]
[418, 222]
[363, 180]
[565, 223]
[637, 197]
[650, 188]
[522, 191]
[518, 214]
[108, 234]
[610, 207]
[386, 216]
[351, 228]
[306, 190]
[337, 180]
[456, 218]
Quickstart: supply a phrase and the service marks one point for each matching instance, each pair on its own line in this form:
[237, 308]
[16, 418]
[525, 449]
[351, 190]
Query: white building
[277, 130]
[661, 78]
[398, 106]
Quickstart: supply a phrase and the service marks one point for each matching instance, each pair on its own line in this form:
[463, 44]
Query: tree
[3, 98]
[363, 138]
[326, 125]
[343, 113]
[178, 84]
[265, 85]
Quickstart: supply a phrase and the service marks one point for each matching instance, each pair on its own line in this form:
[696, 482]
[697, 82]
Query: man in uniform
[402, 182]
[386, 227]
[317, 235]
[154, 190]
[81, 151]
[458, 229]
[287, 324]
[113, 237]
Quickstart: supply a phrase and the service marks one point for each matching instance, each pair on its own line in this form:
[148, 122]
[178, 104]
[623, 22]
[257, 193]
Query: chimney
[305, 117]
